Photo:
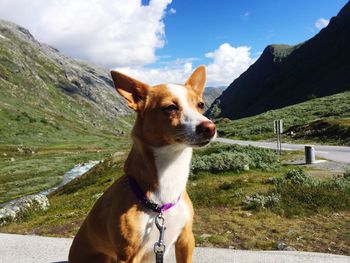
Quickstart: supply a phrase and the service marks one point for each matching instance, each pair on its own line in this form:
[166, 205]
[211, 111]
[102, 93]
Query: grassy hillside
[41, 102]
[54, 113]
[234, 206]
[322, 120]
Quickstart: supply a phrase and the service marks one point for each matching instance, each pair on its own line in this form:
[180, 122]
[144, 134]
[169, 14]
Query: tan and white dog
[169, 123]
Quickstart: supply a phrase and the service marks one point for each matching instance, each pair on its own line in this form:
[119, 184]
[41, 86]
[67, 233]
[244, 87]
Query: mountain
[46, 96]
[210, 94]
[285, 75]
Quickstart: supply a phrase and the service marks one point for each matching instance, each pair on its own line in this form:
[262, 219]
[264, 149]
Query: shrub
[258, 201]
[300, 199]
[219, 162]
[44, 121]
[234, 158]
[298, 193]
[346, 174]
[297, 176]
[293, 176]
[342, 182]
[274, 180]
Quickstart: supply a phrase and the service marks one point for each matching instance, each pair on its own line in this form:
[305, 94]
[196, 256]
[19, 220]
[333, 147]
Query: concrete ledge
[37, 249]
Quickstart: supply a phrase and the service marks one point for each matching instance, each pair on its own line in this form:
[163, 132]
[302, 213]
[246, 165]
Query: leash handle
[159, 257]
[161, 228]
[159, 247]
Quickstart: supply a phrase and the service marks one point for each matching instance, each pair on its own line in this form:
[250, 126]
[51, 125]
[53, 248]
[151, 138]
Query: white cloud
[122, 34]
[227, 64]
[108, 32]
[321, 23]
[172, 73]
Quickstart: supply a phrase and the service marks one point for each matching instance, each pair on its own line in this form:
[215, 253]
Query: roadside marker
[278, 130]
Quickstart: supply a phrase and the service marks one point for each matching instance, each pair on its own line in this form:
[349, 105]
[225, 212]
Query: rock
[12, 159]
[20, 150]
[116, 154]
[25, 150]
[288, 248]
[247, 214]
[280, 245]
[15, 209]
[205, 236]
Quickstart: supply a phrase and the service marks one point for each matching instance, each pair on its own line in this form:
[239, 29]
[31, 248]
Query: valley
[56, 112]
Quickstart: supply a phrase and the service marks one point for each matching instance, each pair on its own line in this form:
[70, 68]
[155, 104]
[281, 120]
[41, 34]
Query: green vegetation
[243, 196]
[70, 204]
[26, 171]
[54, 113]
[233, 158]
[223, 217]
[282, 51]
[322, 120]
[297, 193]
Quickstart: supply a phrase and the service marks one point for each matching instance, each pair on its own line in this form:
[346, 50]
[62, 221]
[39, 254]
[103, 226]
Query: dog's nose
[206, 129]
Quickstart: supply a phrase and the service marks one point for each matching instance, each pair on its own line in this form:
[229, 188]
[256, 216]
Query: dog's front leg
[184, 245]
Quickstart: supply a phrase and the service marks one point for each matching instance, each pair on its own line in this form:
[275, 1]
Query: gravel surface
[335, 167]
[36, 249]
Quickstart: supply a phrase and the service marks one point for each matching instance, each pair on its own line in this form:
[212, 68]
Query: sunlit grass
[333, 110]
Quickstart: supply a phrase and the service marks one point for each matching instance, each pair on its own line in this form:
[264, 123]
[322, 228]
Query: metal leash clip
[159, 247]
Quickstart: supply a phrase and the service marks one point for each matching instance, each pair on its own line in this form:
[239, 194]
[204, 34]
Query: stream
[73, 173]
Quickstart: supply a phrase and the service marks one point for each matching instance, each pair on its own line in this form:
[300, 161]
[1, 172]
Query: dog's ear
[131, 89]
[197, 80]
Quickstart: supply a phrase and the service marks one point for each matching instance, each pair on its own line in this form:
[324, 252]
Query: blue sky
[160, 41]
[200, 26]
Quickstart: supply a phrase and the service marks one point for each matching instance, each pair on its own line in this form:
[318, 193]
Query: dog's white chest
[175, 220]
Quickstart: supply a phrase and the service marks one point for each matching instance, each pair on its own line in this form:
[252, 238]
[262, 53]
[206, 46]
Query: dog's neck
[162, 172]
[173, 166]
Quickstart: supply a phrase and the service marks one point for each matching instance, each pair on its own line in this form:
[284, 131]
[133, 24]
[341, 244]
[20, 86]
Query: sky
[162, 41]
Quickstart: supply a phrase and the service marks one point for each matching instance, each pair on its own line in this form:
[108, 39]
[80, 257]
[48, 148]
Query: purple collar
[145, 201]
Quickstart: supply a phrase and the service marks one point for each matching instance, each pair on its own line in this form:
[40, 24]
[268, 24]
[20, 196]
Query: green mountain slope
[46, 97]
[285, 75]
[322, 120]
[55, 112]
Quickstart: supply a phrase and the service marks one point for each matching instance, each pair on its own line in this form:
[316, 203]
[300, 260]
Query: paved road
[35, 249]
[335, 153]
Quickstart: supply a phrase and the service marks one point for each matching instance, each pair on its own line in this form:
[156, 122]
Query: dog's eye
[200, 105]
[171, 108]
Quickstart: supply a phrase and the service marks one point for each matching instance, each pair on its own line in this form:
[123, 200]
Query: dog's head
[168, 113]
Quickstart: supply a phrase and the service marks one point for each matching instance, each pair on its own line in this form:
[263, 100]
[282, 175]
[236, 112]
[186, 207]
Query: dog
[147, 210]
